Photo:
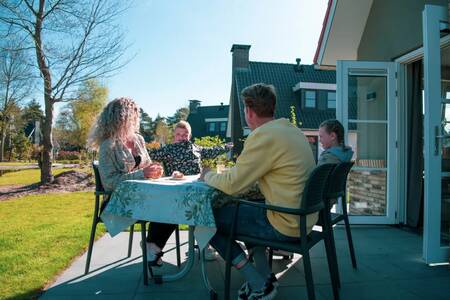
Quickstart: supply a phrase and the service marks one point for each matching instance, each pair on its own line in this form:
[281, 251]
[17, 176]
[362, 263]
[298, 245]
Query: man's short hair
[261, 98]
[185, 125]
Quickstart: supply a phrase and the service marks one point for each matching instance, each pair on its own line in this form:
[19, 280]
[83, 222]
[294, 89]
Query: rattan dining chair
[312, 202]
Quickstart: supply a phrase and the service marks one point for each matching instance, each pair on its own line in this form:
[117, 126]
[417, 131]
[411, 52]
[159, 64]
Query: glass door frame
[344, 69]
[433, 18]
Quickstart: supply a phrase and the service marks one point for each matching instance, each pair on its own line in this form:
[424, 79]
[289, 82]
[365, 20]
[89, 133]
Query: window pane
[310, 99]
[331, 104]
[445, 150]
[212, 127]
[331, 100]
[370, 152]
[367, 98]
[310, 103]
[223, 126]
[445, 211]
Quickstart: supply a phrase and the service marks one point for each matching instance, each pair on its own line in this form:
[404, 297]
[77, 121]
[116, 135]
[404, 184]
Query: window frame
[208, 127]
[224, 126]
[306, 99]
[328, 99]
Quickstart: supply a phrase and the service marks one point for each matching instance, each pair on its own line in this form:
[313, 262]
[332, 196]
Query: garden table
[166, 200]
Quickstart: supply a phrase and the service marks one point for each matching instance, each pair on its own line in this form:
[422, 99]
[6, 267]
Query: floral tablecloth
[164, 200]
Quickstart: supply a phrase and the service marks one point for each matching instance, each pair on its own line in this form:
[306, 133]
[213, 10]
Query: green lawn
[15, 163]
[39, 237]
[30, 176]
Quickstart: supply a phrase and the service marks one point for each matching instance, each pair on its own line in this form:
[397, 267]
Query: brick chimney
[240, 56]
[240, 60]
[193, 106]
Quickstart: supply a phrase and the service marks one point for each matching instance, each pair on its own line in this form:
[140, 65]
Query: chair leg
[332, 265]
[227, 277]
[348, 231]
[350, 241]
[270, 257]
[91, 244]
[177, 244]
[130, 240]
[228, 253]
[333, 256]
[144, 253]
[308, 275]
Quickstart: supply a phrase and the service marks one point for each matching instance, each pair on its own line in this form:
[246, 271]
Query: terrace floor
[389, 267]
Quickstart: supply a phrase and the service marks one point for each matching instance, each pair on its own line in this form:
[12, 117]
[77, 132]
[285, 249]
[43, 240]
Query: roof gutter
[324, 34]
[314, 86]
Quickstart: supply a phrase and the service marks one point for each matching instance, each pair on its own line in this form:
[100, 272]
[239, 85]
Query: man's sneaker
[267, 293]
[244, 291]
[210, 254]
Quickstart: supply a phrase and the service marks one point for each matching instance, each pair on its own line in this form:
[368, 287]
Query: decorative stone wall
[366, 191]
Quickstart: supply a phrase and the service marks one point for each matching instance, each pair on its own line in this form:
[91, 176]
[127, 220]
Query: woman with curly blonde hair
[122, 152]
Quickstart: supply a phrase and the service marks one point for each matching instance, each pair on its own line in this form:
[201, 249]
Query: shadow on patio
[389, 267]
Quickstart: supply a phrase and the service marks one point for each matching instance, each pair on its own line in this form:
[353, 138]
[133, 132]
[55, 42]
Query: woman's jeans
[251, 221]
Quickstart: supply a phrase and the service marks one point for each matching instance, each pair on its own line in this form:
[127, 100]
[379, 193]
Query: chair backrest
[338, 180]
[315, 188]
[98, 181]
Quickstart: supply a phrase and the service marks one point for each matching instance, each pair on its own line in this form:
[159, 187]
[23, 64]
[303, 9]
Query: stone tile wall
[367, 192]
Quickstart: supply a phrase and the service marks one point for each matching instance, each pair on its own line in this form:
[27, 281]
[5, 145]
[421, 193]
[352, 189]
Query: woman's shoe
[268, 292]
[157, 262]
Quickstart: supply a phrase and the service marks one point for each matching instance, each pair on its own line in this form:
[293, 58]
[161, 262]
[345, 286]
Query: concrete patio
[389, 267]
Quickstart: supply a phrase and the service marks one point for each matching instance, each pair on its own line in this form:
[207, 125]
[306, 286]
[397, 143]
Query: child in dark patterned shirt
[185, 157]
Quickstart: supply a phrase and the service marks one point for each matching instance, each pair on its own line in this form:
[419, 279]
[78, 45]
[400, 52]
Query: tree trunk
[46, 167]
[2, 140]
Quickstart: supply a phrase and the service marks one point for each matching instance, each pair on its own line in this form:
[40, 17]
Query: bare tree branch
[16, 83]
[73, 41]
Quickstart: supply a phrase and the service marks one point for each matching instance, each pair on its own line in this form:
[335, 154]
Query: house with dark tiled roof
[392, 62]
[208, 120]
[309, 92]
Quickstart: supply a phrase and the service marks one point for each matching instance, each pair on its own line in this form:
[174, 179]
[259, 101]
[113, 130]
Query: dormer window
[310, 99]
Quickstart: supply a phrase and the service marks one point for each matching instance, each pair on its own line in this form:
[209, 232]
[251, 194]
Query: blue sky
[182, 48]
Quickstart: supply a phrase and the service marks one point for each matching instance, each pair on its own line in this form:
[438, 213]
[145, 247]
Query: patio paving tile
[370, 291]
[389, 267]
[428, 288]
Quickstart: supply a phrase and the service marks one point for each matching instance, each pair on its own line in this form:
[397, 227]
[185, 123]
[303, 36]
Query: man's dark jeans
[251, 221]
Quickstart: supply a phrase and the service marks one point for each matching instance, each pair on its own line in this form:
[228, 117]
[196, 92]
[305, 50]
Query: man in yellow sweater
[277, 155]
